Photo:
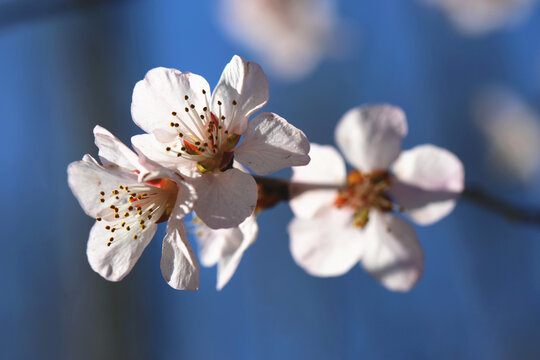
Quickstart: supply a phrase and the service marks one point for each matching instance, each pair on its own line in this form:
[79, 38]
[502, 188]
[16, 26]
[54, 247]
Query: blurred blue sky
[65, 72]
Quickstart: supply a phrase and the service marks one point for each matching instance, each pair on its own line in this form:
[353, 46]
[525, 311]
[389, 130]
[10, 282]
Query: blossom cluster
[198, 153]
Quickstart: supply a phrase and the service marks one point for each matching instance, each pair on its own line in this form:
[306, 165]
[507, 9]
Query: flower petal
[325, 168]
[370, 136]
[271, 144]
[113, 152]
[114, 262]
[225, 199]
[393, 254]
[328, 244]
[242, 237]
[244, 84]
[149, 148]
[179, 265]
[87, 179]
[163, 96]
[429, 181]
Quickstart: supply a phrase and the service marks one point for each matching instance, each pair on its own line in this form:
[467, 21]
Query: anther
[204, 108]
[172, 124]
[234, 102]
[204, 91]
[102, 193]
[102, 200]
[192, 106]
[135, 237]
[98, 219]
[219, 102]
[173, 113]
[168, 148]
[186, 97]
[107, 227]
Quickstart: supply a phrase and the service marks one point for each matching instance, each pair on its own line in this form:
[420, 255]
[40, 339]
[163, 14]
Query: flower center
[202, 136]
[363, 192]
[132, 207]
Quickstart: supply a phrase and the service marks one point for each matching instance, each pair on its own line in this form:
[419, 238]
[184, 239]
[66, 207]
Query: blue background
[67, 66]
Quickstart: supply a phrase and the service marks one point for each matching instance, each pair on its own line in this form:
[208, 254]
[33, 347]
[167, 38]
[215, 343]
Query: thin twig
[23, 11]
[501, 207]
[280, 191]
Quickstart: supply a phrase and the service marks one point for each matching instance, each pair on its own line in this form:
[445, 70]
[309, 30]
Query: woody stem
[276, 190]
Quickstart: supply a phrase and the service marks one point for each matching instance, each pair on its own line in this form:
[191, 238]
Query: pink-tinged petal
[271, 144]
[393, 254]
[429, 181]
[328, 244]
[160, 99]
[113, 152]
[115, 261]
[325, 168]
[87, 179]
[241, 91]
[246, 232]
[226, 198]
[149, 148]
[370, 136]
[179, 265]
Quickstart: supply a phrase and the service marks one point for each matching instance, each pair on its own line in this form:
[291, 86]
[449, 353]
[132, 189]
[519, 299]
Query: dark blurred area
[70, 65]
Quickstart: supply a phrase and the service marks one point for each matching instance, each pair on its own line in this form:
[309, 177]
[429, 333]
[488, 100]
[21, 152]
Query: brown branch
[501, 207]
[272, 191]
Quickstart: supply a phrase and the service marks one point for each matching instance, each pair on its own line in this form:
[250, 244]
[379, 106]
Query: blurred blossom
[352, 218]
[481, 16]
[512, 130]
[291, 36]
[198, 133]
[128, 196]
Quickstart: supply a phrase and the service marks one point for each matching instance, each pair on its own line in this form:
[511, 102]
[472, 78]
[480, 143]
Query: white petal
[271, 144]
[429, 180]
[328, 244]
[393, 254]
[162, 92]
[114, 262]
[370, 136]
[185, 200]
[246, 84]
[87, 179]
[149, 148]
[179, 265]
[225, 199]
[113, 152]
[242, 236]
[325, 168]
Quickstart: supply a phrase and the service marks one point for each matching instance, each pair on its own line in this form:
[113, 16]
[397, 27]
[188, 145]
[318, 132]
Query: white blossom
[342, 219]
[481, 16]
[199, 134]
[128, 195]
[291, 36]
[512, 132]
